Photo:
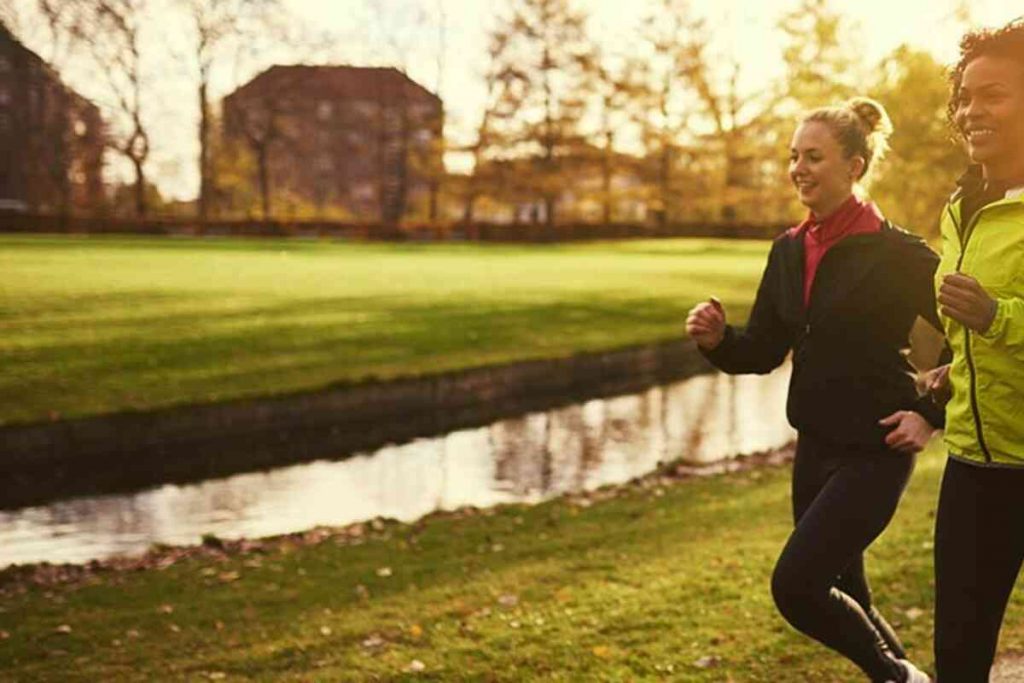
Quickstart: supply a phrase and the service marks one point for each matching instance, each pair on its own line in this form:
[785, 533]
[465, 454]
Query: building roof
[382, 84]
[46, 69]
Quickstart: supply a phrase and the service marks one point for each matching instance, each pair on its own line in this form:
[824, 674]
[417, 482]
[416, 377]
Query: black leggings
[979, 546]
[842, 500]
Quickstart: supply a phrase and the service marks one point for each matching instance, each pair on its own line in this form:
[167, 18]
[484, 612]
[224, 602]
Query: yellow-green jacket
[985, 416]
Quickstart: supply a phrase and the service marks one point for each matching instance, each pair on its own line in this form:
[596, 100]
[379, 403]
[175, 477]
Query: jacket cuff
[930, 411]
[716, 354]
[998, 327]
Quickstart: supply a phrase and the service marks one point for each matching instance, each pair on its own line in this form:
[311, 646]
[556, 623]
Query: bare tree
[666, 100]
[218, 25]
[401, 162]
[551, 56]
[498, 76]
[261, 112]
[111, 33]
[618, 89]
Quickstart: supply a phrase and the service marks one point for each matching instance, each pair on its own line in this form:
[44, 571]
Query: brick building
[51, 138]
[363, 143]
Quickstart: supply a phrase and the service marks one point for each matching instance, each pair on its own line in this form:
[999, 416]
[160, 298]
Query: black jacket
[849, 344]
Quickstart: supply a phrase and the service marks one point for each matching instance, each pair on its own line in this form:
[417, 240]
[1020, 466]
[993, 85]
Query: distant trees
[547, 59]
[111, 32]
[218, 26]
[918, 174]
[665, 129]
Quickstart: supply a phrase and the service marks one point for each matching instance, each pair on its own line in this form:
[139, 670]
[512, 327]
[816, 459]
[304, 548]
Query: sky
[382, 32]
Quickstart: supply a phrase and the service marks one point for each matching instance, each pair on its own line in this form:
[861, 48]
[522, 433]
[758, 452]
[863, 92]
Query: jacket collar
[868, 249]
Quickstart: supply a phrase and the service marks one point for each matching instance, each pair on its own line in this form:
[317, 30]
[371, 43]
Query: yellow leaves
[416, 631]
[228, 577]
[603, 651]
[165, 609]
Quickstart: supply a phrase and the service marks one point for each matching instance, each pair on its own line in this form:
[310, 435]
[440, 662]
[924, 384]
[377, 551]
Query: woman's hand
[963, 299]
[910, 433]
[935, 383]
[706, 323]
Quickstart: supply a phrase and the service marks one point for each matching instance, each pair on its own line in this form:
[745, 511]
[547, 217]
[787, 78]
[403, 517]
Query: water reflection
[525, 459]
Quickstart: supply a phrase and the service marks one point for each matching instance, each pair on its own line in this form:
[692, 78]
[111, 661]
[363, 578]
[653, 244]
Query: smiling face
[990, 115]
[820, 171]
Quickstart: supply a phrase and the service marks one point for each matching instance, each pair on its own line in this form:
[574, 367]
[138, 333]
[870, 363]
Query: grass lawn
[660, 582]
[98, 325]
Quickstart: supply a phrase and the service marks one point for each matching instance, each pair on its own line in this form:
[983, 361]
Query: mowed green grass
[659, 583]
[99, 325]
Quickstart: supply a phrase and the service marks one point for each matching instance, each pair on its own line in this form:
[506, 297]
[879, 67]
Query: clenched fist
[706, 323]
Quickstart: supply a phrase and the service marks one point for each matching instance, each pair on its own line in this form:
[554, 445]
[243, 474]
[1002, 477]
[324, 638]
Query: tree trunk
[204, 154]
[264, 179]
[140, 188]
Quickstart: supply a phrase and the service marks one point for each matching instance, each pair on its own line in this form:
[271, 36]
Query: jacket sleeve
[763, 343]
[922, 289]
[1007, 328]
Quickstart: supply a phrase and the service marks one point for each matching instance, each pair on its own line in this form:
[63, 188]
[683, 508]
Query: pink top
[853, 217]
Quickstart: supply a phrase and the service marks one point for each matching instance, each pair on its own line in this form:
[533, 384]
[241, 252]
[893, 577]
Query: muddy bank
[128, 451]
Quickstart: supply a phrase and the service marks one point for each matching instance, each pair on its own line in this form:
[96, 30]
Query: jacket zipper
[964, 237]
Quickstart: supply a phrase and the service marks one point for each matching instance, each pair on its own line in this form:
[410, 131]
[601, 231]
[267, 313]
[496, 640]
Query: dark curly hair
[1005, 41]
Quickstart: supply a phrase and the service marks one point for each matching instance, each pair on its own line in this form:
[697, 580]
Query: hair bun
[872, 114]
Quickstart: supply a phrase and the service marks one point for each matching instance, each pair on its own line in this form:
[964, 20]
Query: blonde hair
[861, 126]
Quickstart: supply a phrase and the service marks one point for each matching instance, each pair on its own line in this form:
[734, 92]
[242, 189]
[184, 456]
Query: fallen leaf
[325, 630]
[602, 651]
[384, 572]
[416, 666]
[706, 662]
[175, 628]
[415, 630]
[373, 641]
[228, 577]
[4, 635]
[508, 600]
[165, 609]
[216, 675]
[914, 613]
[63, 629]
[132, 633]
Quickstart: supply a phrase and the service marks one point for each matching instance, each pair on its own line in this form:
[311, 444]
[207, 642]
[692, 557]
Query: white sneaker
[914, 675]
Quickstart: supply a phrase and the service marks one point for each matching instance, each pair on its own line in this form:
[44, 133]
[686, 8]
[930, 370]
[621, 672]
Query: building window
[324, 110]
[365, 108]
[423, 137]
